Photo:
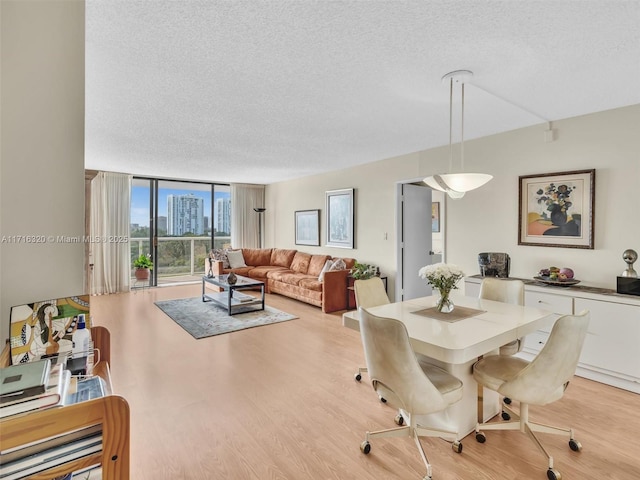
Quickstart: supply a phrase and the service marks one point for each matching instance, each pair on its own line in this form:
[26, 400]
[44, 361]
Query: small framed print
[340, 218]
[307, 227]
[435, 217]
[557, 209]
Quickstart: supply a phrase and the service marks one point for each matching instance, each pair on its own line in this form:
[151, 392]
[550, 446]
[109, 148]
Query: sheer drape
[109, 230]
[244, 220]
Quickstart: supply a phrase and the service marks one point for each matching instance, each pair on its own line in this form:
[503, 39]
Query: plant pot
[142, 274]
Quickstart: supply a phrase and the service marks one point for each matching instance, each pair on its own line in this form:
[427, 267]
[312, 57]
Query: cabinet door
[560, 304]
[613, 336]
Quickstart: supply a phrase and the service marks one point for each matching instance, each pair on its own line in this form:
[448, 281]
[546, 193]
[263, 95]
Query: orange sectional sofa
[294, 274]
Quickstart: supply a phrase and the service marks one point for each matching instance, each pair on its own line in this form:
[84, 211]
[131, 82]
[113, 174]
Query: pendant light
[456, 184]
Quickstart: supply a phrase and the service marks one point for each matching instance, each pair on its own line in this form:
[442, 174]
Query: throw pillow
[220, 254]
[327, 266]
[338, 265]
[236, 259]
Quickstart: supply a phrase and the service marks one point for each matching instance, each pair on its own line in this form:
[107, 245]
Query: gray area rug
[205, 319]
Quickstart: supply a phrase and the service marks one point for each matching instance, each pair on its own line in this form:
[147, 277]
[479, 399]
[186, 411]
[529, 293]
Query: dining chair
[369, 293]
[416, 388]
[538, 382]
[506, 291]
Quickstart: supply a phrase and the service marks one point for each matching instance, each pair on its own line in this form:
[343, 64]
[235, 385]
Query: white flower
[441, 275]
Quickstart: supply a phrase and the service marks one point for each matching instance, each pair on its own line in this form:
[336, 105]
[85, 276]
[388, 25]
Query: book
[23, 451]
[24, 380]
[53, 396]
[52, 457]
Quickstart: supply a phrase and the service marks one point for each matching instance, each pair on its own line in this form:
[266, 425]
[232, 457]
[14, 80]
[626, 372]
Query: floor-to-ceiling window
[177, 223]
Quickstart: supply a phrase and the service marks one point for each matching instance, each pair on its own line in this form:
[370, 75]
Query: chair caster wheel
[506, 416]
[480, 438]
[553, 474]
[383, 400]
[358, 377]
[457, 446]
[365, 447]
[399, 420]
[575, 445]
[507, 400]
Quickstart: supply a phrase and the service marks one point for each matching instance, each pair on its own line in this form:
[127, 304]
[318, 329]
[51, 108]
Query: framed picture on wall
[307, 227]
[556, 209]
[340, 218]
[435, 217]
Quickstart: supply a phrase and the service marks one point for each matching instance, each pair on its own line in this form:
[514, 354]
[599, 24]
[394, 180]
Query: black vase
[558, 217]
[232, 278]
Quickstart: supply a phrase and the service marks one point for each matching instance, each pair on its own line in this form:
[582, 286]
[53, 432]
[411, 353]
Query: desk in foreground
[456, 346]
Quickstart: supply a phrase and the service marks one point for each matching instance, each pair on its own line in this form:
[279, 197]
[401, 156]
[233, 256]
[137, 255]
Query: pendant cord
[451, 125]
[462, 132]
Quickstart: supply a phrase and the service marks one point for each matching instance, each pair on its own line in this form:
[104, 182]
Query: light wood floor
[280, 402]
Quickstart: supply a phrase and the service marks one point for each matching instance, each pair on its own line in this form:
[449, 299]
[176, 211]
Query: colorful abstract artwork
[556, 209]
[46, 327]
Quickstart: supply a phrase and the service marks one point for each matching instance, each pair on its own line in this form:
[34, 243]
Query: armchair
[417, 389]
[369, 293]
[539, 382]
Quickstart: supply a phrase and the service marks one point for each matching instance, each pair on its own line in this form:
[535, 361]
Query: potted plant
[142, 265]
[362, 271]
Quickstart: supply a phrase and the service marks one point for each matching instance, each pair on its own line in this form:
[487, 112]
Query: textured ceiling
[264, 91]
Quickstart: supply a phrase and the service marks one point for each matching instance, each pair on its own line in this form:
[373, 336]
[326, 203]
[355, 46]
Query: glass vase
[444, 303]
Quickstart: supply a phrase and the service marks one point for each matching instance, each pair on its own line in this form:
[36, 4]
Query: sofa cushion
[316, 263]
[286, 276]
[262, 273]
[300, 262]
[281, 257]
[310, 283]
[236, 259]
[257, 257]
[242, 271]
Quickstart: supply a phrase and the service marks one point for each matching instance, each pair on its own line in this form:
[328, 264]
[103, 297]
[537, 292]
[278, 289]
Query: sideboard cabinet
[610, 353]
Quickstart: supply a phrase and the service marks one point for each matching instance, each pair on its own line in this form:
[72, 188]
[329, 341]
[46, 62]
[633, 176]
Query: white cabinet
[613, 337]
[610, 353]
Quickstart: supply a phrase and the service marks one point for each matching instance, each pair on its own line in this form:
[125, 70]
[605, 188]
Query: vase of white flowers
[444, 278]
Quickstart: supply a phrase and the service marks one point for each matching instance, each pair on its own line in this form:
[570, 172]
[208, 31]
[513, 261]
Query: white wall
[487, 219]
[42, 151]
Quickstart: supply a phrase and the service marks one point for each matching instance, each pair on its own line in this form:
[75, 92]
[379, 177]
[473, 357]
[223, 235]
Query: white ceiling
[265, 91]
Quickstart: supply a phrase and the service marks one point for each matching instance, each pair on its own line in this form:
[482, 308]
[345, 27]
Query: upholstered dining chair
[539, 382]
[369, 293]
[506, 291]
[417, 389]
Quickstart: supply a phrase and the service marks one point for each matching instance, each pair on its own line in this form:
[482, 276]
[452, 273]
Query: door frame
[399, 229]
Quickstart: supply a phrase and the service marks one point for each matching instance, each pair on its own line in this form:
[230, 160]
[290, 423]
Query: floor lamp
[260, 212]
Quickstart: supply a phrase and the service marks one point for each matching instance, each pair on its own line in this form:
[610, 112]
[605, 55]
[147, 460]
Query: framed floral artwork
[557, 209]
[340, 218]
[307, 227]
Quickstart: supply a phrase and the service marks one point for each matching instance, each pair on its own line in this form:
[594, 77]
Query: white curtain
[109, 230]
[245, 228]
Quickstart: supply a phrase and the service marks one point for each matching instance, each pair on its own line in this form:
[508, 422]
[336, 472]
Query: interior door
[416, 239]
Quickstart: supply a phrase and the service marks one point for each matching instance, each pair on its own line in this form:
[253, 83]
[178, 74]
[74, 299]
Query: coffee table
[230, 295]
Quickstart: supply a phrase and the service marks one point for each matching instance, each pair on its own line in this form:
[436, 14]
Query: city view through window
[188, 218]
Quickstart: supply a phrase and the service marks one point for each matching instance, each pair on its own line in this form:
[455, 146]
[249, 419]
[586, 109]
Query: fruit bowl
[556, 282]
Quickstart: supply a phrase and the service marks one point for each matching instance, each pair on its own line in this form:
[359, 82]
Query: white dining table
[456, 345]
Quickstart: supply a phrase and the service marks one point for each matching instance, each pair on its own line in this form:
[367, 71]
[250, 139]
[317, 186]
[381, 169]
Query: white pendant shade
[457, 184]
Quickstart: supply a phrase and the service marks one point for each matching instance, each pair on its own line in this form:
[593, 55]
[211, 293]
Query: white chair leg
[416, 438]
[390, 432]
